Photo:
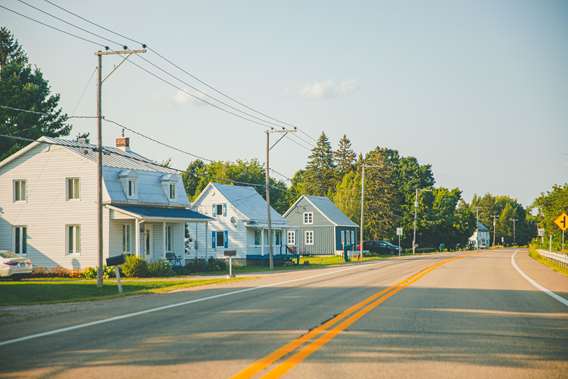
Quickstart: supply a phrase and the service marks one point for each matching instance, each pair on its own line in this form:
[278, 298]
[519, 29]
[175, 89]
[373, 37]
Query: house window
[308, 217]
[19, 190]
[20, 240]
[352, 236]
[172, 192]
[72, 188]
[126, 238]
[292, 238]
[257, 237]
[309, 237]
[278, 234]
[131, 188]
[73, 239]
[169, 238]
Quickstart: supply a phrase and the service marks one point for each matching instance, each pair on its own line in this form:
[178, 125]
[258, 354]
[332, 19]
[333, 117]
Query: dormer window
[172, 191]
[129, 183]
[169, 186]
[131, 188]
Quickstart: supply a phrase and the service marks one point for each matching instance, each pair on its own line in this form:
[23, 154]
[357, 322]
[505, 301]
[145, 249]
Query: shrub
[55, 272]
[160, 268]
[134, 267]
[216, 265]
[90, 273]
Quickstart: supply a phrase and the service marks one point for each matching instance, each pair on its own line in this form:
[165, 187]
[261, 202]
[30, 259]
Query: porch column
[164, 240]
[262, 241]
[206, 239]
[137, 237]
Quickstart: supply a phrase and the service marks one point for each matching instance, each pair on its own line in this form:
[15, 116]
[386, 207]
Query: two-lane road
[473, 315]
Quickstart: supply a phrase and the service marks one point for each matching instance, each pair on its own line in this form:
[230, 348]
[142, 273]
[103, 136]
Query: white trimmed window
[308, 218]
[309, 237]
[20, 190]
[126, 238]
[131, 189]
[278, 237]
[20, 240]
[292, 238]
[72, 188]
[257, 237]
[172, 191]
[169, 238]
[73, 238]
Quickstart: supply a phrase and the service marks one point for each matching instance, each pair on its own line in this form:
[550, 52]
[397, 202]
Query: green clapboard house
[317, 227]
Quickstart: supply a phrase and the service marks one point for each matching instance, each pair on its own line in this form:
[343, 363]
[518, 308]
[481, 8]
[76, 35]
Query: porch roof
[156, 212]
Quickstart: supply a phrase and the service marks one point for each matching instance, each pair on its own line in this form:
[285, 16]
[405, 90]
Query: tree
[548, 206]
[319, 176]
[22, 86]
[347, 195]
[344, 157]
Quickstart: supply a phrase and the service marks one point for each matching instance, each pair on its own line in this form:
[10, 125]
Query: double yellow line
[328, 330]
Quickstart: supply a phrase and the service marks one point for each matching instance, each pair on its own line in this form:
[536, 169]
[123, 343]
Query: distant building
[481, 237]
[318, 227]
[48, 205]
[239, 221]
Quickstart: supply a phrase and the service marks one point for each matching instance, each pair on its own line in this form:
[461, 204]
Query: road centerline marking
[535, 284]
[345, 318]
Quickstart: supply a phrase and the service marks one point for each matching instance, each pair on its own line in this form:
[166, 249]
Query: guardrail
[561, 259]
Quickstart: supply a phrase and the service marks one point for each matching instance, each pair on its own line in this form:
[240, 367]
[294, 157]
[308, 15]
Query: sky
[477, 89]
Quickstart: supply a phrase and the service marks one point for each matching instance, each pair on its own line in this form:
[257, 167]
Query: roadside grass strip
[330, 329]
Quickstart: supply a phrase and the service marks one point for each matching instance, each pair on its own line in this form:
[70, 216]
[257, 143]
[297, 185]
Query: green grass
[547, 262]
[41, 291]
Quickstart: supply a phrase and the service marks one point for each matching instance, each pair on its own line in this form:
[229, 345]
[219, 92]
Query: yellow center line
[368, 304]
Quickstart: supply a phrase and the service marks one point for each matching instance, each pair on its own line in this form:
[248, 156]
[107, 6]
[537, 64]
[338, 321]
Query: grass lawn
[58, 291]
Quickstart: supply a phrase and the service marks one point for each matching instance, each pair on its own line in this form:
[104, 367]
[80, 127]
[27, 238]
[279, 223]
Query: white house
[480, 237]
[239, 221]
[48, 208]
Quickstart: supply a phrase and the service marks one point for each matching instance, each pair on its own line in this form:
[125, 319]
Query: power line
[56, 28]
[84, 91]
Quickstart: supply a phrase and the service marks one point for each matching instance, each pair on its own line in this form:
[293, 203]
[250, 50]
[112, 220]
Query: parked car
[14, 266]
[380, 247]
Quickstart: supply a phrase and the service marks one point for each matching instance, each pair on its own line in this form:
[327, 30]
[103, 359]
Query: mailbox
[116, 261]
[230, 253]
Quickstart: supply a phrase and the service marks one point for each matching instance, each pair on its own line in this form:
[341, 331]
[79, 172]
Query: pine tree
[22, 86]
[344, 157]
[319, 176]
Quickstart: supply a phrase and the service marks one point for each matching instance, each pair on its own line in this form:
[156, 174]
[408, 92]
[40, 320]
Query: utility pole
[494, 228]
[514, 220]
[284, 132]
[477, 229]
[100, 81]
[415, 217]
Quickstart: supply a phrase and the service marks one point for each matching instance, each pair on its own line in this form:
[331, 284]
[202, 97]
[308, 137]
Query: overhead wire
[78, 104]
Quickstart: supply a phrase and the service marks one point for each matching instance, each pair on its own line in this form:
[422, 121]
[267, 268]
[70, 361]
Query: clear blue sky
[478, 89]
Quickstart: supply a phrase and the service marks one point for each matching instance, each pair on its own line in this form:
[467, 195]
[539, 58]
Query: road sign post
[562, 223]
[399, 234]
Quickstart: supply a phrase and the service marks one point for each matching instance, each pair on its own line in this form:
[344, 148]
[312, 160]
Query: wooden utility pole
[100, 81]
[494, 228]
[284, 132]
[362, 211]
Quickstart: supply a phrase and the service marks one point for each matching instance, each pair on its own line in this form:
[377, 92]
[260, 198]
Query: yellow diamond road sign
[562, 221]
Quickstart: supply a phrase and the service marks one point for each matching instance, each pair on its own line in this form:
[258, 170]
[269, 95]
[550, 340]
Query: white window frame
[259, 237]
[73, 233]
[291, 239]
[308, 218]
[172, 191]
[75, 193]
[169, 238]
[309, 237]
[278, 237]
[20, 195]
[127, 238]
[22, 249]
[131, 188]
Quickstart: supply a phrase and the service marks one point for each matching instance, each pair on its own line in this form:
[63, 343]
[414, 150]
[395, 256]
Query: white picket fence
[561, 259]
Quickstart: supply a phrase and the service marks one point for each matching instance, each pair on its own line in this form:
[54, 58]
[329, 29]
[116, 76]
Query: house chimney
[123, 143]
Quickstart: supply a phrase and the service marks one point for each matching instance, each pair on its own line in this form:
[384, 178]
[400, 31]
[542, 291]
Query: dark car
[380, 247]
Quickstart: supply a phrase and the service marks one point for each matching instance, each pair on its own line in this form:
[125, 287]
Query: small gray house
[317, 227]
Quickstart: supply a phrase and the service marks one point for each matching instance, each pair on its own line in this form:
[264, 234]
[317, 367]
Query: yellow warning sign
[562, 221]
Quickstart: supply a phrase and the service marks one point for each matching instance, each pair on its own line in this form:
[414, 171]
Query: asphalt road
[427, 316]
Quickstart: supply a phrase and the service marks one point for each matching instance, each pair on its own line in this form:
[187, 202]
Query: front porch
[151, 233]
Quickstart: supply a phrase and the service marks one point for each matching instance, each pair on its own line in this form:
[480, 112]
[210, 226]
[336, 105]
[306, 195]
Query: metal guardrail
[561, 259]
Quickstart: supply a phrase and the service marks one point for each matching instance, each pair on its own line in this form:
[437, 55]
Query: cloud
[327, 89]
[182, 98]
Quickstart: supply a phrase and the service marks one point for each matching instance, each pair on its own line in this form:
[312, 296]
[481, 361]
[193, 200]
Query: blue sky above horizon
[477, 89]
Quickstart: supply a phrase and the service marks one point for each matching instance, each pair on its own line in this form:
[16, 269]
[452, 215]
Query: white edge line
[535, 284]
[169, 306]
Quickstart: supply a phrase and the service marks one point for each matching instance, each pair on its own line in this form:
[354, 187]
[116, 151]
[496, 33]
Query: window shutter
[224, 209]
[213, 240]
[226, 238]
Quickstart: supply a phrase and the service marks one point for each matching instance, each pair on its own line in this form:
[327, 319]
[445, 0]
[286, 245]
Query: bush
[135, 267]
[201, 265]
[160, 268]
[90, 273]
[55, 272]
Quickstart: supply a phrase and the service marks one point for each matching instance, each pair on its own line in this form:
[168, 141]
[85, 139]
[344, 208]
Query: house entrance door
[148, 241]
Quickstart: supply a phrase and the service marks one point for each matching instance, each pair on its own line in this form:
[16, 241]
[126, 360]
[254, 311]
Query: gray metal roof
[112, 157]
[481, 227]
[334, 214]
[249, 203]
